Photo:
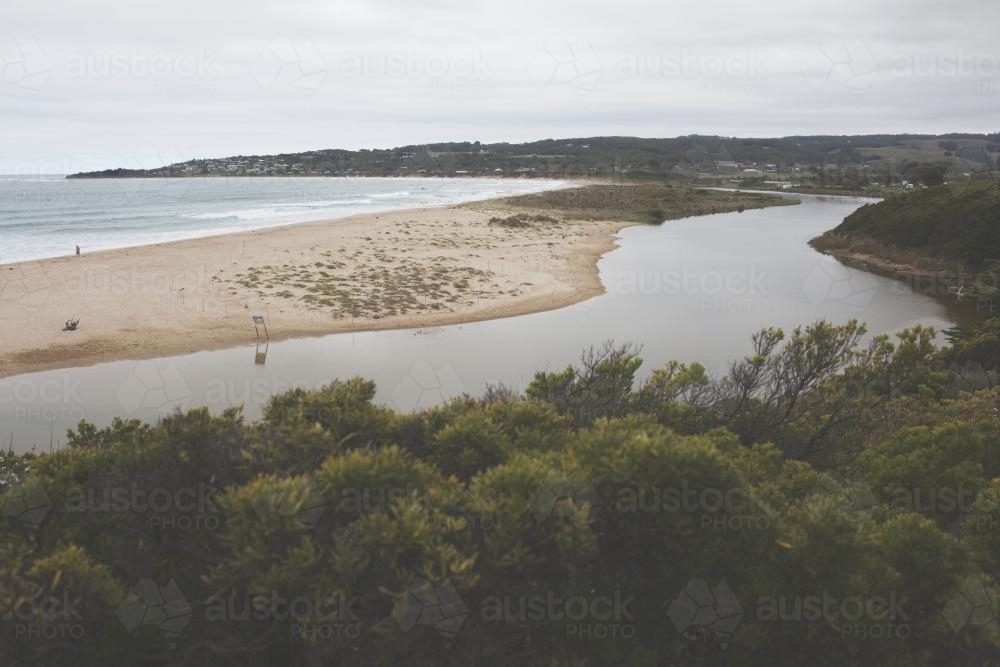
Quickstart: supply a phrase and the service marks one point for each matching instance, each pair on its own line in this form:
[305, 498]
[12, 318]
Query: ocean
[47, 216]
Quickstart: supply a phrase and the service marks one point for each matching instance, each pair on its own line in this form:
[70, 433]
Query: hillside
[797, 161]
[934, 227]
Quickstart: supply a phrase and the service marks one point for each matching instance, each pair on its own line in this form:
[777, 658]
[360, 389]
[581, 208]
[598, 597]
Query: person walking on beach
[78, 251]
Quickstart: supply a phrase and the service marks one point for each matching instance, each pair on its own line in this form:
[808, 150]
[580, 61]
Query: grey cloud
[540, 78]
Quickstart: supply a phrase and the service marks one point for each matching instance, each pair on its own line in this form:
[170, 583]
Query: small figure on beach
[71, 324]
[78, 251]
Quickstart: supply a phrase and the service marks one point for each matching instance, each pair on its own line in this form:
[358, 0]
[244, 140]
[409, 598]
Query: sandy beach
[402, 269]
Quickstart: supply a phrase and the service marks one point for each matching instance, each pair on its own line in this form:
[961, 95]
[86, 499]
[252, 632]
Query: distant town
[874, 161]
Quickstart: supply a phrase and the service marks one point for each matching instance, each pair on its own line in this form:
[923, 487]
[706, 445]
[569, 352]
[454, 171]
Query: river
[693, 290]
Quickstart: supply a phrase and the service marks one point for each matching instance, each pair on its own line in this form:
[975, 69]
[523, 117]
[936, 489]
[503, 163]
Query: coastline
[184, 296]
[880, 265]
[402, 269]
[935, 282]
[277, 221]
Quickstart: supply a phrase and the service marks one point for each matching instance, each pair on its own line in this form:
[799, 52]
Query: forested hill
[848, 161]
[945, 224]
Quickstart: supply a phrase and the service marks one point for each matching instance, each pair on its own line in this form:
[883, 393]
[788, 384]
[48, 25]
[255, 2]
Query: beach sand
[402, 269]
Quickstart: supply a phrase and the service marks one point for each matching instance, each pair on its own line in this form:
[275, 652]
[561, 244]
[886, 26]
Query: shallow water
[691, 290]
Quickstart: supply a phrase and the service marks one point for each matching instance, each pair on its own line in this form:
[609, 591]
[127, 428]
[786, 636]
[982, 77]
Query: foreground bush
[826, 502]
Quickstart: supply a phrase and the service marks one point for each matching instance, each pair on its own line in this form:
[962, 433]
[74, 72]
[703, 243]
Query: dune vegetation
[827, 501]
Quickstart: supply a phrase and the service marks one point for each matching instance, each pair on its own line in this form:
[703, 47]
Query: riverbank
[939, 241]
[937, 280]
[871, 257]
[402, 269]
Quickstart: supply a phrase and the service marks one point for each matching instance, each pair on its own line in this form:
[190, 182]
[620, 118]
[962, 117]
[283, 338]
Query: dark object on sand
[71, 325]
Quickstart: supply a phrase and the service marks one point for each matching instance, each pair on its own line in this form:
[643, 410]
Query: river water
[693, 290]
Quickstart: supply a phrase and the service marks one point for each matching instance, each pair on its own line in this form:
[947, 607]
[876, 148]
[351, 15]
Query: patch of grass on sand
[645, 202]
[522, 220]
[381, 288]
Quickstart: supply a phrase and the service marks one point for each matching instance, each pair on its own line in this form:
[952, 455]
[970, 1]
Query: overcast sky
[104, 83]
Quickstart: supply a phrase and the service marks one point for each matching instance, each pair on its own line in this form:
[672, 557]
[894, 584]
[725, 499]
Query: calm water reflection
[692, 290]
